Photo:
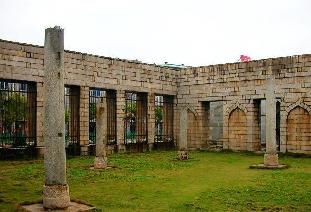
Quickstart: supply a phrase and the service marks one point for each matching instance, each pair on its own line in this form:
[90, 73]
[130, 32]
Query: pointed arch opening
[298, 131]
[237, 130]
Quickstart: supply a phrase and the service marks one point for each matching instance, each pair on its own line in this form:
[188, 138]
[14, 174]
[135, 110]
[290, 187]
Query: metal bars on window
[17, 117]
[72, 119]
[135, 122]
[164, 121]
[95, 96]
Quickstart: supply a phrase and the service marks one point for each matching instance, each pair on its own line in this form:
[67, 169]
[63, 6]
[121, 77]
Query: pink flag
[245, 58]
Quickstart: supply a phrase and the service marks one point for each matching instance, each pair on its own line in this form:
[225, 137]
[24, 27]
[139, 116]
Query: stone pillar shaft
[101, 135]
[270, 118]
[120, 98]
[56, 191]
[151, 119]
[84, 119]
[54, 118]
[271, 156]
[101, 128]
[183, 126]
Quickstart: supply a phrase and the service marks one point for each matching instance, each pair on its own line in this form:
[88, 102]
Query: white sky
[192, 32]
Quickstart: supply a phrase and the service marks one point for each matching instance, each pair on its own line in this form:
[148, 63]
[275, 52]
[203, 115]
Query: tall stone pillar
[183, 127]
[151, 120]
[84, 120]
[56, 190]
[101, 135]
[271, 156]
[39, 121]
[120, 119]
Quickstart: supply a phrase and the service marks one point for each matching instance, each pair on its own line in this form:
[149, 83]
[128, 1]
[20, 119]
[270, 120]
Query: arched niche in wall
[298, 128]
[237, 129]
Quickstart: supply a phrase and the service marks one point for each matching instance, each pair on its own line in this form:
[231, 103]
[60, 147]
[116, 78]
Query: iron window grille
[95, 96]
[164, 120]
[17, 117]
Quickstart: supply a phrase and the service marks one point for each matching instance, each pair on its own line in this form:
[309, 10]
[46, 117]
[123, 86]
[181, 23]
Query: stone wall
[238, 87]
[25, 62]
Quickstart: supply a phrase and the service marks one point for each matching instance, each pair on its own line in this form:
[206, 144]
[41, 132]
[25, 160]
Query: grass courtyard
[157, 182]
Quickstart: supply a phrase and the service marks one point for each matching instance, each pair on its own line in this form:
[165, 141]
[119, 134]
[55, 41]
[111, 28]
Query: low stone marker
[101, 135]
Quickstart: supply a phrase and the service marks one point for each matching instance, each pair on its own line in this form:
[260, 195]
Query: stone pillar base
[150, 146]
[100, 163]
[271, 159]
[121, 148]
[182, 155]
[84, 150]
[111, 149]
[56, 196]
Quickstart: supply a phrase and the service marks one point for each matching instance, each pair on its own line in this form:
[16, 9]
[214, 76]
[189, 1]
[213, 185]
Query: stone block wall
[25, 62]
[238, 86]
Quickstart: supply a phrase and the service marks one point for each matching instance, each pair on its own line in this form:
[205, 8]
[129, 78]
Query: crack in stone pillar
[56, 190]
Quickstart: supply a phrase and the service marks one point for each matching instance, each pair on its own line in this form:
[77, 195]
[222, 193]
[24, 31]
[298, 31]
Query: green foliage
[13, 107]
[130, 135]
[158, 114]
[130, 110]
[92, 111]
[66, 115]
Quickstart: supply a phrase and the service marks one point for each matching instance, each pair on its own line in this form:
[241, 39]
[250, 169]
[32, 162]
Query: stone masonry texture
[238, 86]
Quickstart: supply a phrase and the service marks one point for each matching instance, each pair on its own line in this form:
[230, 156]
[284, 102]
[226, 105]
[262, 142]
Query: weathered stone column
[183, 127]
[101, 135]
[151, 120]
[271, 156]
[120, 119]
[84, 120]
[56, 190]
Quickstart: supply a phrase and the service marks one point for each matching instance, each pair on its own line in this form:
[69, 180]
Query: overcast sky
[192, 32]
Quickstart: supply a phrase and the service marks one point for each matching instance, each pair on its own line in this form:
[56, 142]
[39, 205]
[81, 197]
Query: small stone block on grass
[73, 207]
[263, 166]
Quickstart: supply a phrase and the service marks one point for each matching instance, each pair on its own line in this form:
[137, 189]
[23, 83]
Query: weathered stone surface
[183, 126]
[215, 121]
[73, 207]
[54, 119]
[233, 83]
[101, 135]
[56, 191]
[100, 162]
[56, 196]
[271, 159]
[270, 117]
[237, 130]
[182, 155]
[263, 166]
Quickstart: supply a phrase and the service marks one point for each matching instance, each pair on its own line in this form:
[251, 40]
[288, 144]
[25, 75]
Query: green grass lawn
[157, 182]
